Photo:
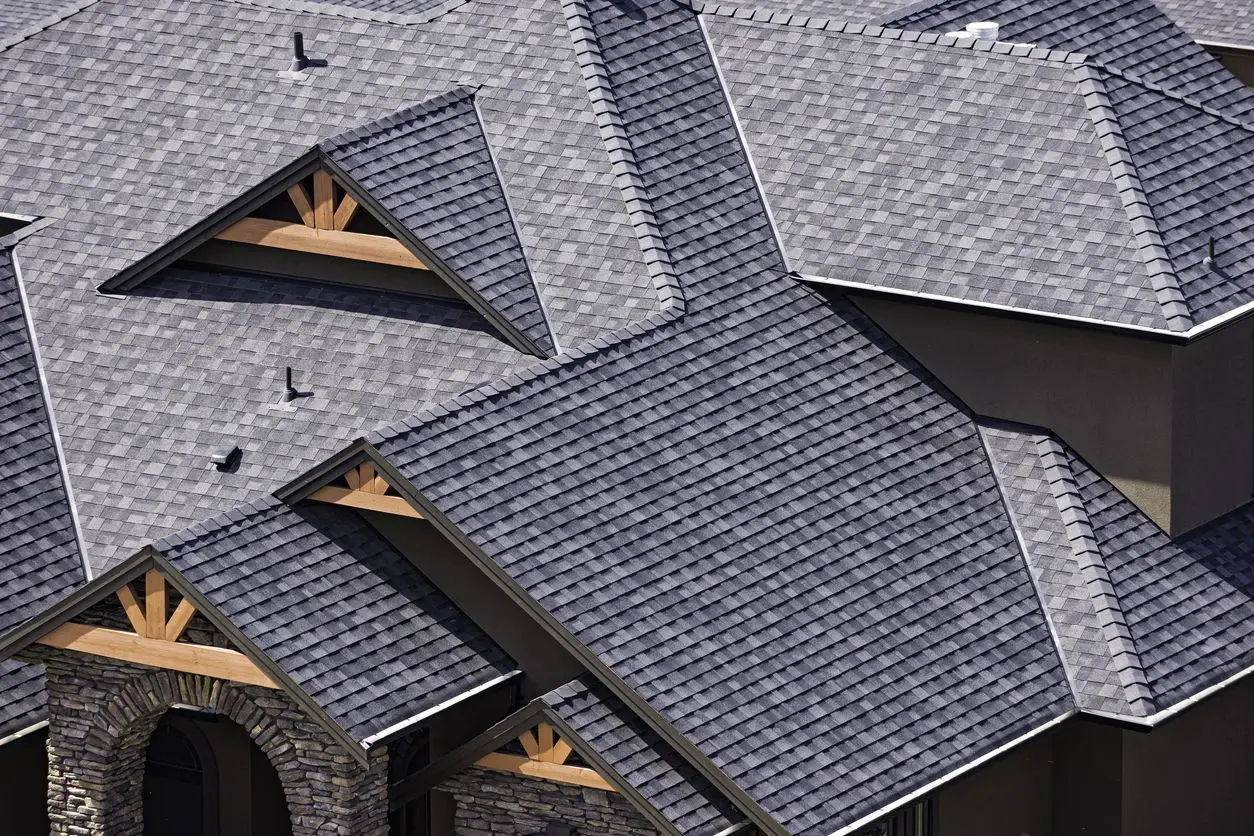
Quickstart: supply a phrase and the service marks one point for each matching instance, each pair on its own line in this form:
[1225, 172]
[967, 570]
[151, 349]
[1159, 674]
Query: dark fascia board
[144, 269]
[592, 663]
[306, 483]
[428, 257]
[525, 718]
[130, 569]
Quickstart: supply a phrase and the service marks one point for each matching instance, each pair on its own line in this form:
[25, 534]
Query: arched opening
[205, 776]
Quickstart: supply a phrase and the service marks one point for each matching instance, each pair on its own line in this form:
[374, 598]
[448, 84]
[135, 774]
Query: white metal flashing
[1196, 331]
[927, 789]
[396, 728]
[1226, 45]
[52, 419]
[23, 733]
[744, 140]
[1167, 713]
[735, 828]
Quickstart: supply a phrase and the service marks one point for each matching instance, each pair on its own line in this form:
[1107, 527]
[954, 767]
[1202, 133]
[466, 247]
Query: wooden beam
[368, 501]
[378, 249]
[345, 212]
[324, 200]
[561, 751]
[544, 734]
[134, 612]
[529, 744]
[155, 604]
[561, 773]
[178, 622]
[300, 199]
[217, 662]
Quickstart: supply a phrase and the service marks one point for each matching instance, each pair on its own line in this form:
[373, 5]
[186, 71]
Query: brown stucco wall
[1011, 796]
[1172, 426]
[1193, 774]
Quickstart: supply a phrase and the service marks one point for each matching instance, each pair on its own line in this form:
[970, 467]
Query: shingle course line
[47, 23]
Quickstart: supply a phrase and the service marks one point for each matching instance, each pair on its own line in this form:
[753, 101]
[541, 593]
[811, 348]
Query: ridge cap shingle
[64, 13]
[330, 8]
[1097, 581]
[1123, 168]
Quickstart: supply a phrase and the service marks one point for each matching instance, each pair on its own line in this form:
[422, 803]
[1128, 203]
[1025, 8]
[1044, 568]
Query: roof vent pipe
[983, 30]
[299, 59]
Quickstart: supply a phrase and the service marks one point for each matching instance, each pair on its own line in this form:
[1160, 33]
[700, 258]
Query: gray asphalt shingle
[430, 166]
[350, 620]
[643, 759]
[1216, 21]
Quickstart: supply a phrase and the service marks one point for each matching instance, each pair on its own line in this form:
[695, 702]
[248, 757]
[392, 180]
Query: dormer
[409, 203]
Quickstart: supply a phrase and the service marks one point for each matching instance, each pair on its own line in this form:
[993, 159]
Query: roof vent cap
[983, 30]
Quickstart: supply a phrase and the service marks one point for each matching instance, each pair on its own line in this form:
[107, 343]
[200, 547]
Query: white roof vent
[983, 30]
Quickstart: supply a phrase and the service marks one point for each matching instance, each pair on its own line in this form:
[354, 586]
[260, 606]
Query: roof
[761, 514]
[1214, 21]
[431, 167]
[1144, 622]
[19, 17]
[963, 169]
[1132, 36]
[354, 624]
[641, 758]
[147, 384]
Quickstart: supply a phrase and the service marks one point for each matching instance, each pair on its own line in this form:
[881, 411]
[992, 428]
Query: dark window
[414, 819]
[174, 785]
[915, 820]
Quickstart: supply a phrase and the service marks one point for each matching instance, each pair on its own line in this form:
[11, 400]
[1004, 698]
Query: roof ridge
[418, 109]
[216, 525]
[64, 13]
[1093, 573]
[1145, 231]
[623, 157]
[333, 9]
[826, 24]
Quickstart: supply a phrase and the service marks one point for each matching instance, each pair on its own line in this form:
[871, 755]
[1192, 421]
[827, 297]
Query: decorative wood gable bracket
[323, 229]
[155, 641]
[546, 758]
[362, 487]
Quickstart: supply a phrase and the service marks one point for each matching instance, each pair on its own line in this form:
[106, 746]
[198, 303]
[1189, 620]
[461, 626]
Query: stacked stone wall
[102, 713]
[491, 803]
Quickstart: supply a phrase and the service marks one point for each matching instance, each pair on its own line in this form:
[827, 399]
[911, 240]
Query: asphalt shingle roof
[350, 620]
[39, 554]
[17, 17]
[760, 515]
[643, 759]
[1221, 21]
[431, 167]
[1176, 615]
[966, 171]
[129, 122]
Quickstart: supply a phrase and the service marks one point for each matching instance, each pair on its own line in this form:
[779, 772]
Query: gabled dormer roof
[427, 174]
[994, 175]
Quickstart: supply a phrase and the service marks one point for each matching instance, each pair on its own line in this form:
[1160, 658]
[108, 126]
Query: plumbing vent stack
[299, 60]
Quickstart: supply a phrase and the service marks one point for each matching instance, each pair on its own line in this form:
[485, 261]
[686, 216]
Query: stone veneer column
[491, 803]
[102, 713]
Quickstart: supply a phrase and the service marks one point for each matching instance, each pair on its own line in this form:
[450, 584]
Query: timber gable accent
[362, 487]
[155, 640]
[546, 756]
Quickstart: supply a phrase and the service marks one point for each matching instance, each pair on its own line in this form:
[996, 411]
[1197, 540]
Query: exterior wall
[1011, 796]
[24, 786]
[101, 716]
[490, 803]
[1239, 63]
[1192, 774]
[1172, 426]
[544, 663]
[1088, 779]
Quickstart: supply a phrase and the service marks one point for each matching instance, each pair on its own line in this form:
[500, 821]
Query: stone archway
[103, 712]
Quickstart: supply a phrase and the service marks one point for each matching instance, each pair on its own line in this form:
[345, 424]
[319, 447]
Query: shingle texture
[430, 166]
[643, 759]
[1222, 21]
[151, 115]
[1178, 612]
[1034, 180]
[18, 17]
[760, 515]
[39, 556]
[350, 620]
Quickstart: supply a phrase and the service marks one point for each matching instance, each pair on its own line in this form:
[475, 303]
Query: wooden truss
[363, 488]
[546, 758]
[155, 641]
[322, 229]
